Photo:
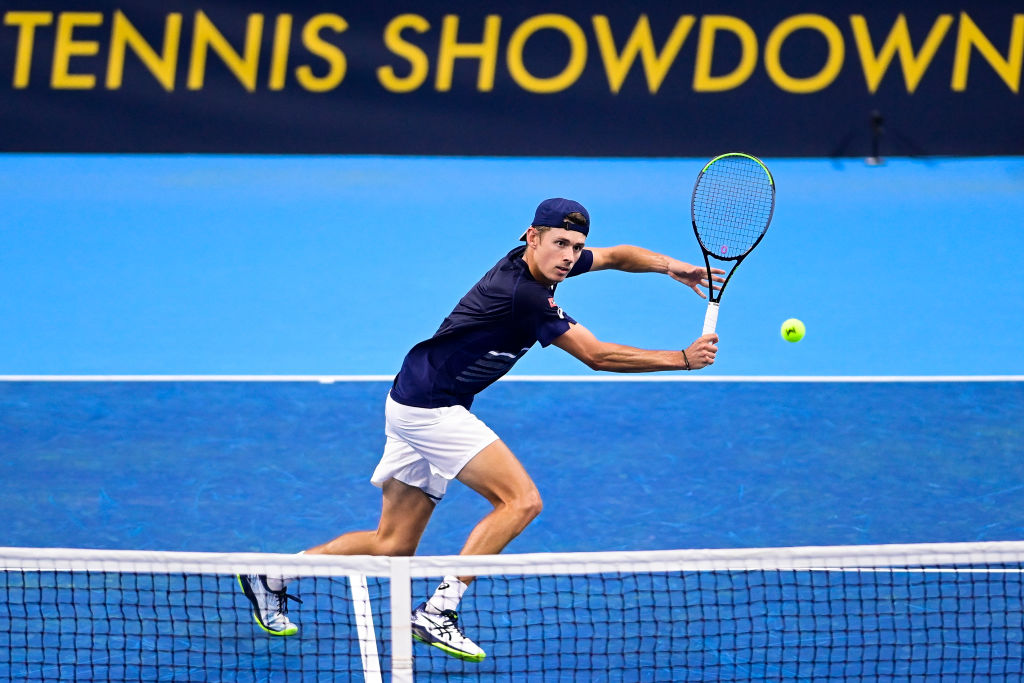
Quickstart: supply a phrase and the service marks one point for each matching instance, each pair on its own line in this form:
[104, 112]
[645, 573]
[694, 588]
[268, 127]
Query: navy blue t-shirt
[498, 320]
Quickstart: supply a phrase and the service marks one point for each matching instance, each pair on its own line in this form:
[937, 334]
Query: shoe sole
[466, 657]
[251, 597]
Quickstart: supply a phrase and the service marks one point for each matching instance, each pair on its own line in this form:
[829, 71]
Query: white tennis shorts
[428, 447]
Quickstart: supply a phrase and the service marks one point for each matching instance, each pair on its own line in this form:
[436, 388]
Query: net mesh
[732, 205]
[908, 613]
[748, 626]
[153, 627]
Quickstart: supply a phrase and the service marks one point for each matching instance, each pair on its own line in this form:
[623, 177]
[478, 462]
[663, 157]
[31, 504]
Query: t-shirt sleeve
[536, 308]
[583, 264]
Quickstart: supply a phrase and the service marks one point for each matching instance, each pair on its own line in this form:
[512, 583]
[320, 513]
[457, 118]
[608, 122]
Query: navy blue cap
[555, 212]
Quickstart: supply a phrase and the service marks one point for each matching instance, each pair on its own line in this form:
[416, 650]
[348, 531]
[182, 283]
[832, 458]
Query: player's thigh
[496, 474]
[405, 512]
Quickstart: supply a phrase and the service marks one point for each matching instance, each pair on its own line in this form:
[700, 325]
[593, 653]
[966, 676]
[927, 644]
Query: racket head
[732, 205]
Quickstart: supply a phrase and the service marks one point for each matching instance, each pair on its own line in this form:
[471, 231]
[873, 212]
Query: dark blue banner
[532, 78]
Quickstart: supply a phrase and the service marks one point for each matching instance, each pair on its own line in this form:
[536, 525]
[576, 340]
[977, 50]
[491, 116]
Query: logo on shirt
[552, 304]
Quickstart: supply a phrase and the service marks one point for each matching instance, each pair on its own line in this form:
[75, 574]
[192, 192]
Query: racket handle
[711, 318]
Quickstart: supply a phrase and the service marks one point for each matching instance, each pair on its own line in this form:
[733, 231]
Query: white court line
[365, 629]
[330, 379]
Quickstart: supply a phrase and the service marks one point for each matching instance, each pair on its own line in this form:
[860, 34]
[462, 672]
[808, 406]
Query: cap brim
[522, 238]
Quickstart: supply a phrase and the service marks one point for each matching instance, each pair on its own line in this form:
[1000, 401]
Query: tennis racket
[732, 206]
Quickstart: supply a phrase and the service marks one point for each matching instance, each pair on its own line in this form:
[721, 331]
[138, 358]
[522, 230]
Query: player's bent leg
[497, 475]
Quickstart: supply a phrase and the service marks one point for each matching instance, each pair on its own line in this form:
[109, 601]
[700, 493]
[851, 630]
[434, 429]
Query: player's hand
[701, 353]
[694, 276]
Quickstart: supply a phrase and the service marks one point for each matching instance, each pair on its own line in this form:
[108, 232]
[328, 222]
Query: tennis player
[432, 437]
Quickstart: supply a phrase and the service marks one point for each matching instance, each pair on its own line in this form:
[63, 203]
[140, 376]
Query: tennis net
[859, 613]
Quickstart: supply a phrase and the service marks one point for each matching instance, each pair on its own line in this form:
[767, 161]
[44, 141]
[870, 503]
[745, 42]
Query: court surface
[621, 465]
[336, 266]
[277, 466]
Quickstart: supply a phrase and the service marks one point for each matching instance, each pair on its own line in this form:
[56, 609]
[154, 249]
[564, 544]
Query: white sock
[280, 583]
[447, 595]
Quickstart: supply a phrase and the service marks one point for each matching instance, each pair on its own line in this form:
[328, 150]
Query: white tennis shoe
[270, 607]
[444, 632]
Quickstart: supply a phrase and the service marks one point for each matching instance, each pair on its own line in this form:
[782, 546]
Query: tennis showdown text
[89, 50]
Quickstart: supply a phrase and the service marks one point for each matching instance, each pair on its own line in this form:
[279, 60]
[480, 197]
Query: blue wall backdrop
[336, 265]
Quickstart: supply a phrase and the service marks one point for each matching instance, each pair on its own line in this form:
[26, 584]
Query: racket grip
[711, 318]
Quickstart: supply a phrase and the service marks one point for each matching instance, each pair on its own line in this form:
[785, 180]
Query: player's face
[556, 253]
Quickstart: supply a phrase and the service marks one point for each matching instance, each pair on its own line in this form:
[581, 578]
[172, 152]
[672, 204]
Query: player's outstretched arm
[599, 355]
[630, 259]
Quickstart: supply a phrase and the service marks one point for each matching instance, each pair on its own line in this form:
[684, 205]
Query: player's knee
[528, 506]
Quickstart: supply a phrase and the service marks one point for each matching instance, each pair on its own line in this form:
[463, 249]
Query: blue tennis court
[338, 265]
[335, 266]
[621, 465]
[277, 466]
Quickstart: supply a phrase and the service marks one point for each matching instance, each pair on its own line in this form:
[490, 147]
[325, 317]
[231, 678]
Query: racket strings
[732, 206]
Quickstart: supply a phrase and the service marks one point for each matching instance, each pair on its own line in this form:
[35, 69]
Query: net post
[401, 624]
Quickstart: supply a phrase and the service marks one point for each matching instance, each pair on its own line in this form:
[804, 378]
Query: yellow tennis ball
[793, 330]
